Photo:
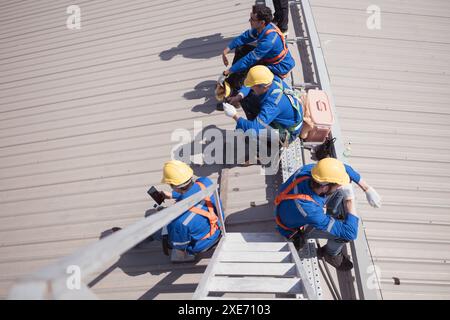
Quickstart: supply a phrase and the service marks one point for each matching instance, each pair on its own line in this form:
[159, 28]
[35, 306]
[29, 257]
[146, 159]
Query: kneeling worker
[197, 229]
[300, 207]
[268, 102]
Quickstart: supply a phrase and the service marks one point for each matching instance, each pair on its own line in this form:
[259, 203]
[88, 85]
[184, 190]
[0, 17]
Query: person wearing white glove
[230, 111]
[373, 198]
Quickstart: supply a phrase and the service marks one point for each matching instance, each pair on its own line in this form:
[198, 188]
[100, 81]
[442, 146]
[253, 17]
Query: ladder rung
[262, 269]
[255, 256]
[256, 284]
[254, 237]
[258, 246]
[254, 266]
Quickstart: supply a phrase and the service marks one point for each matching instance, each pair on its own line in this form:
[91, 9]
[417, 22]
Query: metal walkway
[257, 266]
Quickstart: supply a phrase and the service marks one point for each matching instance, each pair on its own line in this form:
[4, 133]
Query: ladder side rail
[53, 281]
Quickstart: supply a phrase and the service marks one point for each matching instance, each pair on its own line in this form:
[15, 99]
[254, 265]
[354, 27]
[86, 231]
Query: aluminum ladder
[260, 266]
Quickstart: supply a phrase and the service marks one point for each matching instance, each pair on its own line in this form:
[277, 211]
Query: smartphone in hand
[156, 195]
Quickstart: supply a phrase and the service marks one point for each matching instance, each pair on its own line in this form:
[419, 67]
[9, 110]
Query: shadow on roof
[198, 48]
[205, 90]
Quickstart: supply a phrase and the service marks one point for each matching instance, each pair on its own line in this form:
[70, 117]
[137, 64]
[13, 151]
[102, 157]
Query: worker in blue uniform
[262, 44]
[268, 102]
[198, 229]
[271, 48]
[301, 201]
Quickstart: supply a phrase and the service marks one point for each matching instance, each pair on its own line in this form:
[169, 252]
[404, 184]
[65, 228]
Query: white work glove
[347, 192]
[221, 79]
[229, 109]
[373, 198]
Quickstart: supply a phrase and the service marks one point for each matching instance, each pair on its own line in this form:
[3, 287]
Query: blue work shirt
[268, 46]
[297, 213]
[275, 107]
[186, 232]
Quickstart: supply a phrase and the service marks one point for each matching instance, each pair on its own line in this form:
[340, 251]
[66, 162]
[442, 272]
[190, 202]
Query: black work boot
[298, 240]
[340, 262]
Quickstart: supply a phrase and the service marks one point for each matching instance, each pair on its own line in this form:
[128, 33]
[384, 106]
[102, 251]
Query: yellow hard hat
[176, 173]
[258, 75]
[330, 170]
[222, 92]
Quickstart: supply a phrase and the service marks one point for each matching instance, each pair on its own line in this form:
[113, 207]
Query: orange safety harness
[210, 214]
[277, 59]
[285, 196]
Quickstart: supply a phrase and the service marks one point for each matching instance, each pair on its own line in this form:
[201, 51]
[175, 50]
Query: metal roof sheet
[86, 118]
[86, 122]
[391, 91]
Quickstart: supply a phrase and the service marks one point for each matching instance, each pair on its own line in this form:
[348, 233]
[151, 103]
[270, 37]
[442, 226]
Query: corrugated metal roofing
[86, 119]
[391, 91]
[86, 122]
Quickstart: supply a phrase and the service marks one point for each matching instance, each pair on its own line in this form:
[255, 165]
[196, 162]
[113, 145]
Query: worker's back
[188, 230]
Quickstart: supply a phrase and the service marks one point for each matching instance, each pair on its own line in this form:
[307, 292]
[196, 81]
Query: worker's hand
[230, 111]
[347, 192]
[235, 99]
[373, 198]
[166, 195]
[224, 57]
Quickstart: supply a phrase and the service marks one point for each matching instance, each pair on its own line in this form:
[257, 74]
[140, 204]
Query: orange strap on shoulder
[277, 59]
[285, 196]
[210, 214]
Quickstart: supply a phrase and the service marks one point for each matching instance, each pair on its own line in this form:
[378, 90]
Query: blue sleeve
[345, 229]
[176, 195]
[179, 236]
[245, 90]
[353, 174]
[255, 55]
[246, 37]
[269, 111]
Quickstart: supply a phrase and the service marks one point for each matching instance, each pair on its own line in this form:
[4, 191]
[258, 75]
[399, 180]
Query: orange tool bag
[318, 117]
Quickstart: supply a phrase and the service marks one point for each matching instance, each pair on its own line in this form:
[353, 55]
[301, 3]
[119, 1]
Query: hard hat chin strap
[184, 184]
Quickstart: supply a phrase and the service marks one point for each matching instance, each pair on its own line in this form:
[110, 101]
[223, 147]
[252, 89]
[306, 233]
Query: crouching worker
[268, 102]
[270, 47]
[196, 230]
[300, 208]
[262, 44]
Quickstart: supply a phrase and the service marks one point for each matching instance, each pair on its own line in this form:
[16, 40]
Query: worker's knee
[348, 237]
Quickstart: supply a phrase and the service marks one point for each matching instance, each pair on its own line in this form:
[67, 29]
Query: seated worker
[197, 229]
[300, 207]
[267, 102]
[271, 48]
